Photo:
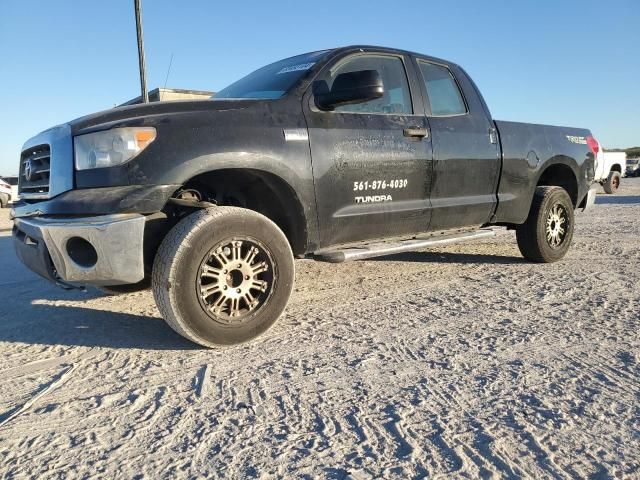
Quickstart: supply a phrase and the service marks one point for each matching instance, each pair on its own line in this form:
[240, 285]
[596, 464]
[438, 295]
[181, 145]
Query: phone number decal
[380, 184]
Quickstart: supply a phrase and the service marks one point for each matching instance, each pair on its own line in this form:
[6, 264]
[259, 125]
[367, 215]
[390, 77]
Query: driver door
[371, 161]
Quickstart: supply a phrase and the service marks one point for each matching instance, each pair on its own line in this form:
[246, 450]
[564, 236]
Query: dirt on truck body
[333, 155]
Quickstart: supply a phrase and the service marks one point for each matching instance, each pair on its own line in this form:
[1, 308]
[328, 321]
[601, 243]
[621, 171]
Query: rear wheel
[547, 233]
[612, 183]
[223, 276]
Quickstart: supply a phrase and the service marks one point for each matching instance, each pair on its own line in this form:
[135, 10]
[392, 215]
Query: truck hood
[114, 116]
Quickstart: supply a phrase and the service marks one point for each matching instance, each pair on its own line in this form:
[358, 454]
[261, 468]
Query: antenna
[143, 73]
[168, 70]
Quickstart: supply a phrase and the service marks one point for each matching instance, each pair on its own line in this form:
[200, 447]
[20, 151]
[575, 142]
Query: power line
[168, 70]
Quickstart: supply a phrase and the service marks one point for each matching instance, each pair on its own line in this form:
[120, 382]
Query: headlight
[111, 147]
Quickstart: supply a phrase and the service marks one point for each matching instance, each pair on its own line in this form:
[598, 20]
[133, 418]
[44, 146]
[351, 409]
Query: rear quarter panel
[527, 151]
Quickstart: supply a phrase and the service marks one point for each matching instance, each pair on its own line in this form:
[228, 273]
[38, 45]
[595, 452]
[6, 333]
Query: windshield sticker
[296, 68]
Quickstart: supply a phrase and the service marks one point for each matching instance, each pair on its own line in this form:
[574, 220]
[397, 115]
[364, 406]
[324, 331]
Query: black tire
[612, 183]
[533, 235]
[4, 200]
[130, 288]
[190, 263]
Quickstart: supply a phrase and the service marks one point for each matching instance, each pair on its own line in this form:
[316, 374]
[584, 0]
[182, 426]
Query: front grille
[35, 171]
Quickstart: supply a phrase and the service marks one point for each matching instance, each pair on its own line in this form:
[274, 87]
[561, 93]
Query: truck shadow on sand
[617, 200]
[87, 327]
[448, 257]
[31, 314]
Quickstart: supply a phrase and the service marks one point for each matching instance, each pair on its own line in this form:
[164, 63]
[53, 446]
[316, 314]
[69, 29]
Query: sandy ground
[463, 361]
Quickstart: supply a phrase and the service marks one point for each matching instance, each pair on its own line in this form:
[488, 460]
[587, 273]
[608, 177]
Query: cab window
[396, 98]
[444, 94]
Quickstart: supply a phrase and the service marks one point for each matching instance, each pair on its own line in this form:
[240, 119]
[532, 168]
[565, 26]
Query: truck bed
[527, 150]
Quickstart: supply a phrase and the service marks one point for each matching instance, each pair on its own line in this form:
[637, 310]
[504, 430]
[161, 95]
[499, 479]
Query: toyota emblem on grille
[28, 170]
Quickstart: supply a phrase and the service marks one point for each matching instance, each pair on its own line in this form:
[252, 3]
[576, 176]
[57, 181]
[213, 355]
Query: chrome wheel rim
[235, 279]
[557, 226]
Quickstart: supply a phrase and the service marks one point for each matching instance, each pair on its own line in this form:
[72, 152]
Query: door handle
[493, 135]
[416, 132]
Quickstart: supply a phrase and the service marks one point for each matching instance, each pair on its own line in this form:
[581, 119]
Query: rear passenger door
[466, 162]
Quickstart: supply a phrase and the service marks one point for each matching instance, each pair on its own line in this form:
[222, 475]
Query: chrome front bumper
[100, 250]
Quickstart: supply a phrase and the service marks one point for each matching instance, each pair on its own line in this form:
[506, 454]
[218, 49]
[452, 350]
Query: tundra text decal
[580, 140]
[396, 184]
[374, 198]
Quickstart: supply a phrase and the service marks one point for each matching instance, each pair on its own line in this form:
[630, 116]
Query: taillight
[594, 146]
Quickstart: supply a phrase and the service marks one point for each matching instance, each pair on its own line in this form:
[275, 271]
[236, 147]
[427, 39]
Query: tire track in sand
[57, 381]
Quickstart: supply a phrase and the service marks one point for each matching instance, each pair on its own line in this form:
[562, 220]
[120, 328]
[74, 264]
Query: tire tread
[608, 183]
[176, 241]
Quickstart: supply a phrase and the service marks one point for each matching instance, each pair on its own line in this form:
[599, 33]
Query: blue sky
[571, 63]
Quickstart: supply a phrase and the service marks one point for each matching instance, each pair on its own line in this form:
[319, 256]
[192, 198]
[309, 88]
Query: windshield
[274, 80]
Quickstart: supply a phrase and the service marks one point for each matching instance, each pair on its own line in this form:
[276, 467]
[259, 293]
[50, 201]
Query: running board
[377, 249]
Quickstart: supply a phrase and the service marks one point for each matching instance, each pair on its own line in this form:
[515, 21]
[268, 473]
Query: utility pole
[143, 73]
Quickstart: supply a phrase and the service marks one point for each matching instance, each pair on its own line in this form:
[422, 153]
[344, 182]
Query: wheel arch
[616, 167]
[259, 190]
[560, 174]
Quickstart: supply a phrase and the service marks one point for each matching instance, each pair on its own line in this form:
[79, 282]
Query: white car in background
[633, 167]
[13, 185]
[5, 194]
[610, 167]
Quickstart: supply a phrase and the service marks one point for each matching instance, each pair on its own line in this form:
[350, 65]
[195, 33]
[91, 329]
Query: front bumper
[590, 200]
[97, 250]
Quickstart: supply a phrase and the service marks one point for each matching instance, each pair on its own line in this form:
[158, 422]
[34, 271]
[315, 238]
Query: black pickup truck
[335, 155]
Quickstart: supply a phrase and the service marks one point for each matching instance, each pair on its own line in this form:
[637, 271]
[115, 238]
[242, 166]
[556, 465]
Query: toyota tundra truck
[333, 155]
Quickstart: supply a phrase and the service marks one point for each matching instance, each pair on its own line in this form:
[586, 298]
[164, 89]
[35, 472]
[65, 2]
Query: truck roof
[391, 49]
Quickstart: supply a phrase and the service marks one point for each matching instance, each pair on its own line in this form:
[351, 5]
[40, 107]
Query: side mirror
[349, 88]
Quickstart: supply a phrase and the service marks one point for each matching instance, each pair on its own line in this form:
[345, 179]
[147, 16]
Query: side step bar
[378, 249]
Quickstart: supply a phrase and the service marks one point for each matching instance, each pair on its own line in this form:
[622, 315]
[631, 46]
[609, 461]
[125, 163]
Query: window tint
[396, 98]
[444, 95]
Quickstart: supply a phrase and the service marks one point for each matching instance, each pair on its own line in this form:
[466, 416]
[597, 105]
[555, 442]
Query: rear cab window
[443, 92]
